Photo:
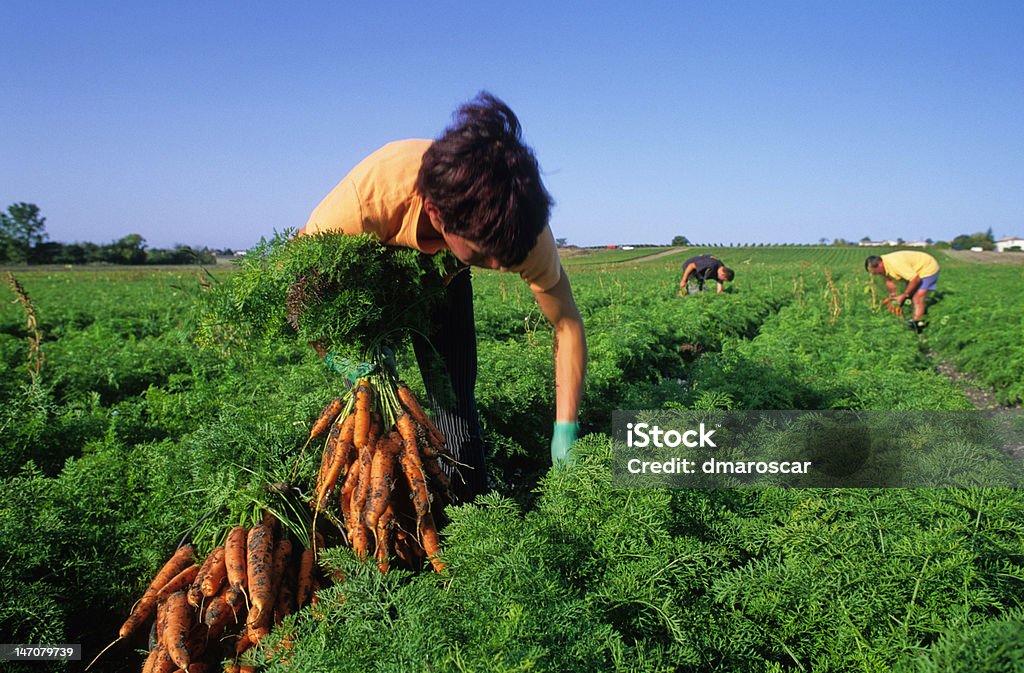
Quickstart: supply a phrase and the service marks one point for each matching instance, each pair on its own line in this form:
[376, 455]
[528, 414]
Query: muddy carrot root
[384, 532]
[234, 557]
[412, 405]
[362, 488]
[211, 584]
[431, 541]
[339, 459]
[363, 405]
[325, 419]
[305, 582]
[217, 616]
[195, 590]
[259, 557]
[177, 629]
[382, 475]
[181, 559]
[329, 448]
[163, 663]
[413, 469]
[179, 582]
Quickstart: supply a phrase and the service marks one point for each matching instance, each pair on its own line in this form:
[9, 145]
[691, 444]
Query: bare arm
[570, 347]
[912, 286]
[686, 276]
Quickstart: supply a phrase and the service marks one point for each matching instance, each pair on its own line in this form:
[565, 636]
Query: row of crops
[128, 434]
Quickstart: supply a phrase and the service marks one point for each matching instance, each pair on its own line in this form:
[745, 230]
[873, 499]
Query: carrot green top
[379, 196]
[905, 264]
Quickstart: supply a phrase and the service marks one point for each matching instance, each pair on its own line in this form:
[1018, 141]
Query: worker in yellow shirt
[918, 269]
[477, 191]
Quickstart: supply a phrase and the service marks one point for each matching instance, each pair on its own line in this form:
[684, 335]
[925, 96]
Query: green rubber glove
[565, 433]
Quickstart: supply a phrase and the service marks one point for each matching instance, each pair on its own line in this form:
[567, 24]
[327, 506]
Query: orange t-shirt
[379, 196]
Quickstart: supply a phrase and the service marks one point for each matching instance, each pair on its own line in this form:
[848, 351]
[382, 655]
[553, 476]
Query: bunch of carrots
[379, 478]
[381, 473]
[230, 600]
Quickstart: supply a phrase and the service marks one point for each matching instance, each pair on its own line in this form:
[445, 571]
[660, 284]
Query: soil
[987, 256]
[658, 255]
[979, 397]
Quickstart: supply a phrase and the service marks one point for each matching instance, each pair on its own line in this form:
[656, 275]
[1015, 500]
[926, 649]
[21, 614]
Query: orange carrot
[234, 557]
[195, 591]
[150, 662]
[217, 616]
[364, 402]
[339, 460]
[412, 405]
[197, 639]
[176, 631]
[259, 559]
[329, 449]
[161, 620]
[243, 645]
[305, 583]
[348, 488]
[362, 489]
[179, 582]
[181, 559]
[360, 540]
[407, 429]
[404, 551]
[214, 580]
[382, 472]
[162, 662]
[327, 416]
[383, 532]
[376, 428]
[431, 543]
[413, 469]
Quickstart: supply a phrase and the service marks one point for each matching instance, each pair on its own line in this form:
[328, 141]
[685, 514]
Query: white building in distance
[893, 244]
[1009, 242]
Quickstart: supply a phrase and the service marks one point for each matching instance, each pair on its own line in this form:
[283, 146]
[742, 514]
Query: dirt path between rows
[987, 257]
[981, 398]
[658, 255]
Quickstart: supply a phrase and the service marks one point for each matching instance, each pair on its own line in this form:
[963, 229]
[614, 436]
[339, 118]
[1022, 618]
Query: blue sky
[215, 123]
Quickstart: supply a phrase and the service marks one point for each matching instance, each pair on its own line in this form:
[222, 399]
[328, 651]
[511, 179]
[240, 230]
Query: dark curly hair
[485, 181]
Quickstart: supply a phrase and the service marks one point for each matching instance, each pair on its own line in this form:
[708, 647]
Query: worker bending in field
[918, 269]
[703, 268]
[476, 191]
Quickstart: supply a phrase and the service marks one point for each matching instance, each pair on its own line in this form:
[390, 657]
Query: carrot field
[119, 433]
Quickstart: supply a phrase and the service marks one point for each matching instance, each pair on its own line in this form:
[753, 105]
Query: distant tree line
[985, 241]
[23, 240]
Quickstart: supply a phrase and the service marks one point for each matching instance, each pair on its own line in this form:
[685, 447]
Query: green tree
[130, 249]
[680, 240]
[985, 241]
[21, 230]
